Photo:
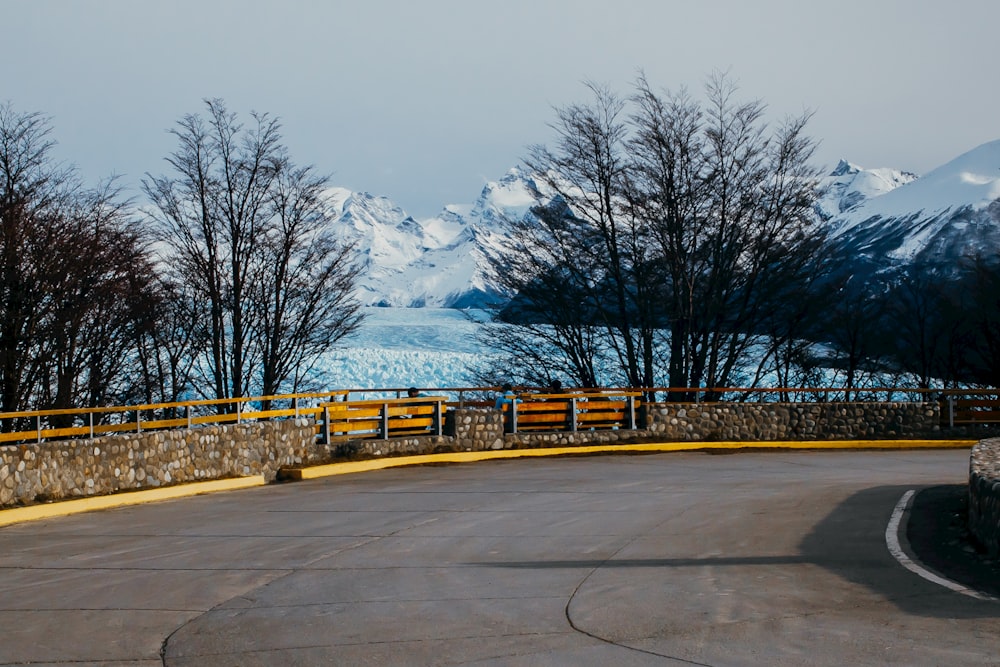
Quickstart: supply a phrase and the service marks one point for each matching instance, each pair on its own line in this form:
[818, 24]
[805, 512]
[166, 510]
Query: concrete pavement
[661, 559]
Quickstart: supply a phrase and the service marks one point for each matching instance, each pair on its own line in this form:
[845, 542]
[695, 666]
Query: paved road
[775, 558]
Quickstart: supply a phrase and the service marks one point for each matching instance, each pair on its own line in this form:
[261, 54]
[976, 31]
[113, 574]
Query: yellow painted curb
[76, 506]
[349, 467]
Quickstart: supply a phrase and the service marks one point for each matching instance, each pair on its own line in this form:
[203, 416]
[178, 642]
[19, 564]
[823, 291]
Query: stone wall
[792, 421]
[984, 494]
[474, 429]
[78, 468]
[75, 468]
[465, 430]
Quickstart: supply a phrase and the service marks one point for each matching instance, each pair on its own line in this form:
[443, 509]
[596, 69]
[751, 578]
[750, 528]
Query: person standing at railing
[413, 392]
[557, 395]
[507, 397]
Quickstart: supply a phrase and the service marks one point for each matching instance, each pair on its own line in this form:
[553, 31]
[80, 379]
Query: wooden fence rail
[572, 412]
[382, 418]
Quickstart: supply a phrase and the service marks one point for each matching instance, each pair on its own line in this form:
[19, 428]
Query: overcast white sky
[425, 100]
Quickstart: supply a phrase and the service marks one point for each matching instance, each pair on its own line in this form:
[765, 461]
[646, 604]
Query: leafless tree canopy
[248, 238]
[247, 290]
[667, 218]
[75, 272]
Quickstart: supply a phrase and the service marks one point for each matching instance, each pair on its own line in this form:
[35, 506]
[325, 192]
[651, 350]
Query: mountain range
[437, 262]
[935, 221]
[879, 219]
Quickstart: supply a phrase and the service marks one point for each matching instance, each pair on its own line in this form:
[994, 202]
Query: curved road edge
[895, 539]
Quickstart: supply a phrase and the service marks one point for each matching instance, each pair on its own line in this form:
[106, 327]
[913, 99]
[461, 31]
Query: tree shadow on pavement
[939, 536]
[851, 542]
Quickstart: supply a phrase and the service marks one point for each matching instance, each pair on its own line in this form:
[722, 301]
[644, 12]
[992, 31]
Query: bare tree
[305, 303]
[245, 232]
[107, 267]
[914, 309]
[793, 320]
[855, 328]
[162, 315]
[546, 332]
[669, 194]
[677, 218]
[33, 192]
[755, 228]
[213, 214]
[72, 259]
[983, 317]
[591, 231]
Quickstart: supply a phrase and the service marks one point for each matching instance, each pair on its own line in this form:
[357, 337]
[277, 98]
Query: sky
[425, 101]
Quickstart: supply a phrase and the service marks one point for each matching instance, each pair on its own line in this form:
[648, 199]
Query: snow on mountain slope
[387, 239]
[939, 218]
[848, 185]
[971, 179]
[878, 217]
[438, 262]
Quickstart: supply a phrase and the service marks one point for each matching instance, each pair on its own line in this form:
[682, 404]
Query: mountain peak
[970, 180]
[946, 215]
[844, 167]
[848, 185]
[879, 217]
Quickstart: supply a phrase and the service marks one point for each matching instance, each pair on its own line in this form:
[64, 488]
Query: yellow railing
[92, 422]
[958, 406]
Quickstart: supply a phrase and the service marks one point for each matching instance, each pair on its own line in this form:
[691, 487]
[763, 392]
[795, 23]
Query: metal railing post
[513, 416]
[951, 411]
[572, 415]
[295, 406]
[187, 413]
[91, 422]
[239, 405]
[438, 421]
[630, 401]
[38, 427]
[385, 421]
[326, 424]
[138, 420]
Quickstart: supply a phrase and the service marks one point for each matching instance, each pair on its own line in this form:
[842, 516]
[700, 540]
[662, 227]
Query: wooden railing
[381, 418]
[963, 408]
[604, 410]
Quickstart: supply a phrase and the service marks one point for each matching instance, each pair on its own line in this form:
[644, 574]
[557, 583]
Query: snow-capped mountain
[848, 185]
[938, 219]
[438, 262]
[387, 238]
[878, 218]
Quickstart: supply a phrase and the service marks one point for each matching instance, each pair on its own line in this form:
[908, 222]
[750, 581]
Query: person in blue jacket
[506, 396]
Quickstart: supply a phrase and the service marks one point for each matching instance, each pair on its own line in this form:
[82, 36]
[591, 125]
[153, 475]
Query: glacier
[397, 348]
